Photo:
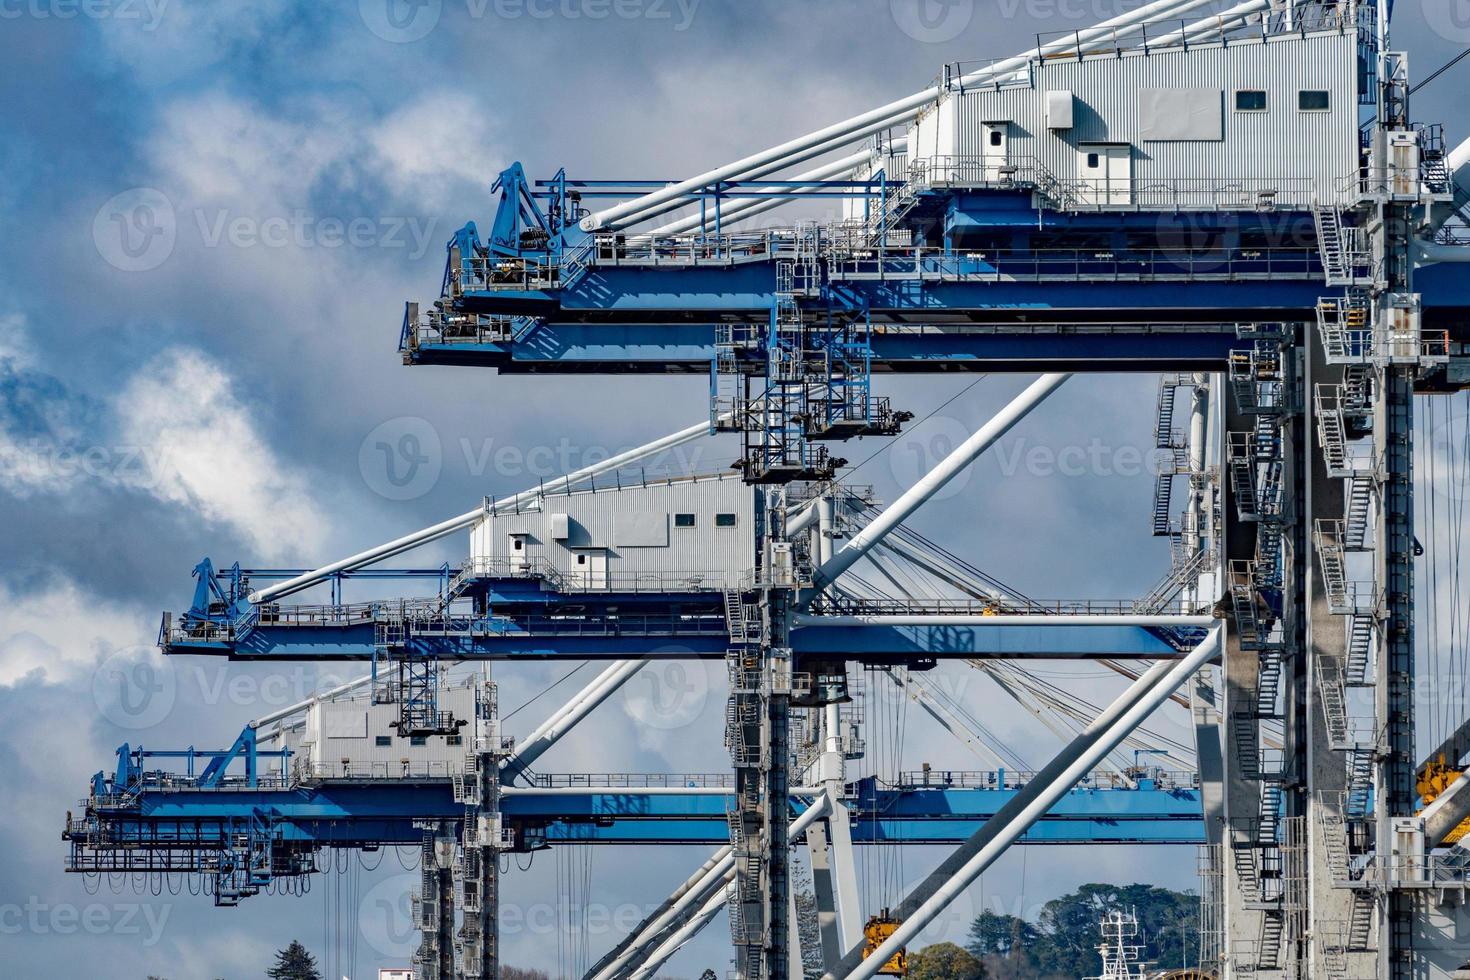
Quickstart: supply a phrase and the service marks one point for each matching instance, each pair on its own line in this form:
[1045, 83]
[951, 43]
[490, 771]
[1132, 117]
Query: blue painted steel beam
[871, 644]
[383, 812]
[960, 642]
[690, 348]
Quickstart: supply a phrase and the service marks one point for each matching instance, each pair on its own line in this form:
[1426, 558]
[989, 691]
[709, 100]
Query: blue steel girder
[867, 644]
[365, 814]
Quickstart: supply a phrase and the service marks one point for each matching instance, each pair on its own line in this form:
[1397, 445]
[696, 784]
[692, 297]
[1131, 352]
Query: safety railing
[1183, 33]
[854, 606]
[1005, 779]
[1078, 265]
[440, 329]
[634, 780]
[573, 580]
[306, 771]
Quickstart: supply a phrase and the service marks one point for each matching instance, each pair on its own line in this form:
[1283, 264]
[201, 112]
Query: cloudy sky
[210, 381]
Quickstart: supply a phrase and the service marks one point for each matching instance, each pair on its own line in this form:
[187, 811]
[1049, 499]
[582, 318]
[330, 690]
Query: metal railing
[574, 580]
[306, 771]
[1005, 779]
[1143, 39]
[1078, 265]
[634, 780]
[845, 605]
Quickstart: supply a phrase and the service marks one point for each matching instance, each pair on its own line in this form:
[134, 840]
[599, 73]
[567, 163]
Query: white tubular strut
[856, 127]
[947, 469]
[1014, 819]
[466, 520]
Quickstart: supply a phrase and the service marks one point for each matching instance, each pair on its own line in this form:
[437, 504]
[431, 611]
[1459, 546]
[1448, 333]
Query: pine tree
[294, 963]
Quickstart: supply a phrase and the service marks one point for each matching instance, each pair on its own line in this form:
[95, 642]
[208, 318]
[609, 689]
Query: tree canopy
[1063, 940]
[294, 963]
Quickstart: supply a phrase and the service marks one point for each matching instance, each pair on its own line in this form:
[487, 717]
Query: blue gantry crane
[1233, 196]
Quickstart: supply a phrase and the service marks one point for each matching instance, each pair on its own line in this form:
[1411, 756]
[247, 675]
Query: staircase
[1332, 431]
[1344, 256]
[1268, 949]
[1182, 574]
[1359, 651]
[1335, 843]
[1332, 690]
[1345, 328]
[743, 627]
[1249, 623]
[1359, 800]
[1341, 598]
[1270, 817]
[1359, 513]
[1242, 467]
[576, 260]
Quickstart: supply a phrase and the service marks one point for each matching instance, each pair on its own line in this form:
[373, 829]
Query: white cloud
[58, 632]
[428, 147]
[216, 149]
[213, 457]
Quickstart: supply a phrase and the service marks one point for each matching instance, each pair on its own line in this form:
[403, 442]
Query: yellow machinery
[1436, 777]
[875, 933]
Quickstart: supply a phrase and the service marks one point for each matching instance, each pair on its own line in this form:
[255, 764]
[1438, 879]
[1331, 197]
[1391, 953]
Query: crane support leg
[1013, 820]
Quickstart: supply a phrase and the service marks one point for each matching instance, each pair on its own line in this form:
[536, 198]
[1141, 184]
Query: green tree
[294, 963]
[945, 961]
[993, 934]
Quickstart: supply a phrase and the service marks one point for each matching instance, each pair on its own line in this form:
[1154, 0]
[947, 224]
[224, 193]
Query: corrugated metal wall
[324, 749]
[721, 554]
[1282, 142]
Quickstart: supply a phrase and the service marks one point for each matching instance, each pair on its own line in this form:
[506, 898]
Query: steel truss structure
[1294, 325]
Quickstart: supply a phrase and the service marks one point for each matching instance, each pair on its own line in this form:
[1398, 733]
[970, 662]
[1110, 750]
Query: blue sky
[211, 390]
